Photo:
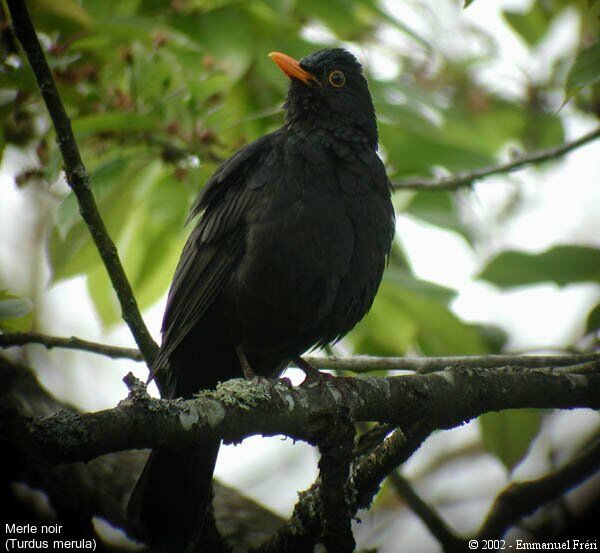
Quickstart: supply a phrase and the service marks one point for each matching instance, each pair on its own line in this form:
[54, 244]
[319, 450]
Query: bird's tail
[171, 498]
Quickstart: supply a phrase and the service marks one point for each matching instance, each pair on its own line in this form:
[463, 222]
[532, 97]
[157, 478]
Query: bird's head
[328, 91]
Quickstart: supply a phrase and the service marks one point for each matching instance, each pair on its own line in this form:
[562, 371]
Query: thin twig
[365, 364]
[450, 542]
[78, 178]
[356, 364]
[23, 338]
[463, 179]
[520, 499]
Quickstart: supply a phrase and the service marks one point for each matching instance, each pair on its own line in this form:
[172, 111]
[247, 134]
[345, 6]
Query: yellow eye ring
[336, 78]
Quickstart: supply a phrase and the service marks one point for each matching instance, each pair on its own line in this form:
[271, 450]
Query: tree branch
[450, 542]
[520, 499]
[238, 408]
[365, 364]
[78, 178]
[336, 446]
[464, 179]
[369, 471]
[79, 491]
[357, 364]
[22, 338]
[302, 530]
[420, 403]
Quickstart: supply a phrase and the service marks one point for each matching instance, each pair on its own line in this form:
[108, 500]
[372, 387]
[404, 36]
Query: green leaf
[438, 208]
[531, 26]
[405, 317]
[2, 144]
[417, 151]
[149, 241]
[15, 313]
[541, 130]
[103, 295]
[119, 121]
[397, 23]
[102, 179]
[508, 434]
[593, 320]
[467, 3]
[116, 185]
[63, 9]
[561, 264]
[226, 32]
[156, 240]
[495, 337]
[346, 18]
[386, 330]
[440, 332]
[405, 279]
[585, 70]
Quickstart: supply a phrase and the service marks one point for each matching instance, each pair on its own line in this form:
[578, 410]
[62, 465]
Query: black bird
[287, 253]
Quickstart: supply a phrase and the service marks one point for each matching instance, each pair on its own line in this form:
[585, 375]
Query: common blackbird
[287, 253]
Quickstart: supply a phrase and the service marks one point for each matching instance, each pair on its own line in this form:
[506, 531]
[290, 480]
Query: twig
[357, 364]
[22, 338]
[372, 469]
[450, 542]
[137, 389]
[78, 178]
[468, 178]
[371, 437]
[365, 364]
[520, 499]
[445, 457]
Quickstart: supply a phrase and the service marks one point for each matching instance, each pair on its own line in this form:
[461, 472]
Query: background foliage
[160, 92]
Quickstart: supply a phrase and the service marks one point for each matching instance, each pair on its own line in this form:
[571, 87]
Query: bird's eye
[337, 79]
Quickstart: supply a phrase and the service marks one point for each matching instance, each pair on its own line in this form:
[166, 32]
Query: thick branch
[448, 539]
[468, 178]
[421, 403]
[238, 409]
[520, 499]
[80, 491]
[302, 530]
[23, 338]
[78, 178]
[336, 492]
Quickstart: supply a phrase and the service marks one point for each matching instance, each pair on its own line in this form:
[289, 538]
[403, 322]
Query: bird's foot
[247, 369]
[313, 375]
[249, 373]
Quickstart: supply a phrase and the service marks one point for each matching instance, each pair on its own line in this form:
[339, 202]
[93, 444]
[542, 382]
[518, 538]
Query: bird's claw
[312, 375]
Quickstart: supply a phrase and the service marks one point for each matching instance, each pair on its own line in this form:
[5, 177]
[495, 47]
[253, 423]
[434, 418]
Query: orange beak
[292, 68]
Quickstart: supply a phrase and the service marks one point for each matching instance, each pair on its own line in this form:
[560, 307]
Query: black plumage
[287, 253]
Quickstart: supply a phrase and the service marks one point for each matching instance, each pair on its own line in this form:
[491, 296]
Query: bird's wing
[216, 243]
